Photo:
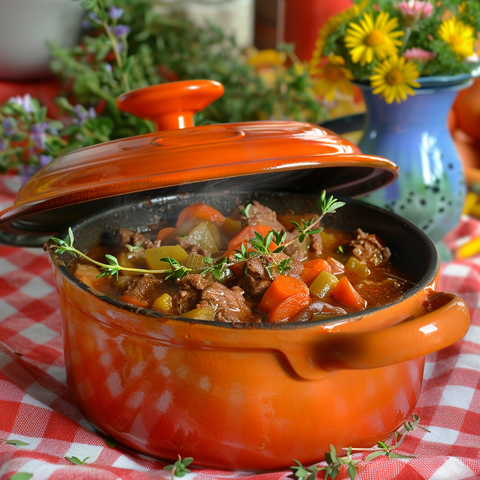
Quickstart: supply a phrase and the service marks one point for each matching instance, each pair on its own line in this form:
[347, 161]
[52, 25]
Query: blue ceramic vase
[430, 190]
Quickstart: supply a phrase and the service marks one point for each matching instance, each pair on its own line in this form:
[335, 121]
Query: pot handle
[170, 105]
[412, 339]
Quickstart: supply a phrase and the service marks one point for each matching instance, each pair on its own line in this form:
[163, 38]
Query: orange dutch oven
[232, 396]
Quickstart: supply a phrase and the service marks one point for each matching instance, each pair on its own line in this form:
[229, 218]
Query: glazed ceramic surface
[283, 155]
[239, 397]
[233, 396]
[431, 189]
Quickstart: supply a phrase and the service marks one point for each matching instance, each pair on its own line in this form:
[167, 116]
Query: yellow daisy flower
[394, 77]
[459, 36]
[266, 58]
[331, 25]
[333, 76]
[372, 39]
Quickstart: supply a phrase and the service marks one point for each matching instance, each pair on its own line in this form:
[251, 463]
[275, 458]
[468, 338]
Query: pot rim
[429, 275]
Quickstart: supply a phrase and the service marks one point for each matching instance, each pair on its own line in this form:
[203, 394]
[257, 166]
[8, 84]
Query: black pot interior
[409, 245]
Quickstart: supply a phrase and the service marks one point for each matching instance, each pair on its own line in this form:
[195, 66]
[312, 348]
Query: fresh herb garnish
[383, 449]
[332, 469]
[16, 443]
[21, 476]
[179, 468]
[76, 460]
[335, 463]
[111, 442]
[246, 211]
[219, 269]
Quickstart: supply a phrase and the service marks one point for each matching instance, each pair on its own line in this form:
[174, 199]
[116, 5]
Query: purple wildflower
[115, 13]
[94, 17]
[82, 115]
[37, 134]
[119, 47]
[8, 127]
[107, 67]
[86, 25]
[121, 31]
[44, 160]
[25, 102]
[3, 145]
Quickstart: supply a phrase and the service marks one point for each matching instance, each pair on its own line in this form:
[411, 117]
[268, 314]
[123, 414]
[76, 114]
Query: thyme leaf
[246, 211]
[330, 205]
[17, 443]
[76, 460]
[179, 468]
[177, 270]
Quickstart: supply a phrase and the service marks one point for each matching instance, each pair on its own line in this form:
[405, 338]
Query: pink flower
[414, 10]
[418, 54]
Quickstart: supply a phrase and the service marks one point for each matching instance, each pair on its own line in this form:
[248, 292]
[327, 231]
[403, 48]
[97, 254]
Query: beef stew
[251, 266]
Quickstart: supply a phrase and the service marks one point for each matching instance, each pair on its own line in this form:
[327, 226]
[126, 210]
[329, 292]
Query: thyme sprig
[335, 463]
[383, 449]
[218, 269]
[110, 269]
[179, 468]
[261, 245]
[327, 205]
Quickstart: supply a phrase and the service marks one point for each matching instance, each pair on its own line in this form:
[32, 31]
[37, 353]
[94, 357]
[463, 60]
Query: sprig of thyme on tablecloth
[335, 463]
[179, 468]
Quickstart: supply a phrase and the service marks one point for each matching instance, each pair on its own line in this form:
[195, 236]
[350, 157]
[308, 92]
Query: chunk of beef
[229, 304]
[295, 249]
[135, 239]
[188, 297]
[369, 248]
[299, 251]
[257, 279]
[316, 246]
[189, 247]
[261, 215]
[143, 287]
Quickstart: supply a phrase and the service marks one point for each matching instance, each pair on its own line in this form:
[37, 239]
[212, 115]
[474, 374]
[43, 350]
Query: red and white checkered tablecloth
[37, 408]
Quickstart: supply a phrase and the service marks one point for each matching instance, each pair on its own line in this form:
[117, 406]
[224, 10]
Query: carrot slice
[280, 289]
[289, 307]
[200, 210]
[312, 268]
[133, 301]
[345, 293]
[164, 233]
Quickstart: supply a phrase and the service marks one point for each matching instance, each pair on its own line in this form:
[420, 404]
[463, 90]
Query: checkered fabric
[37, 408]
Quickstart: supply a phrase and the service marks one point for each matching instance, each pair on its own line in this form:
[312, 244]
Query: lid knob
[170, 105]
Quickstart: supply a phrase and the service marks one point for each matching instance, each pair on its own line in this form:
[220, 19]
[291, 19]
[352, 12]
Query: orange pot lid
[283, 155]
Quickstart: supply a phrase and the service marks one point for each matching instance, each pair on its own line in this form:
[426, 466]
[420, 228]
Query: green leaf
[374, 455]
[76, 460]
[352, 472]
[111, 442]
[21, 476]
[333, 454]
[399, 455]
[300, 471]
[17, 443]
